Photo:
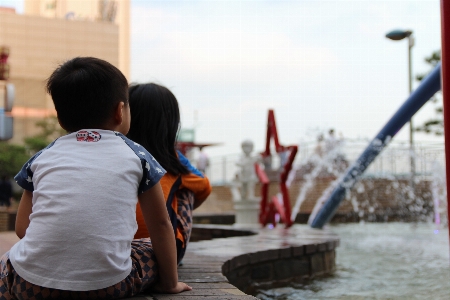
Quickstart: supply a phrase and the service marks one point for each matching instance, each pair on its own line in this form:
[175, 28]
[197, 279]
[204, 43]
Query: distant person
[202, 161]
[319, 150]
[76, 219]
[331, 142]
[5, 192]
[334, 152]
[283, 158]
[267, 162]
[154, 124]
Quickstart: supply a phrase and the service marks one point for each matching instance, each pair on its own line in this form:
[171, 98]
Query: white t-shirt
[85, 186]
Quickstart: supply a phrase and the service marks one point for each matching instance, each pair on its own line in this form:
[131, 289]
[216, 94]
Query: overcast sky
[318, 64]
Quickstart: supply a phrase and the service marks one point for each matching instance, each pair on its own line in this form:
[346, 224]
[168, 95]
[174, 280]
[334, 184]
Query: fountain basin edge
[283, 260]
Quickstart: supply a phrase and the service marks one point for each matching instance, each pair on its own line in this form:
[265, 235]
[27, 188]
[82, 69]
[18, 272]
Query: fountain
[407, 259]
[382, 194]
[430, 85]
[416, 258]
[439, 195]
[320, 164]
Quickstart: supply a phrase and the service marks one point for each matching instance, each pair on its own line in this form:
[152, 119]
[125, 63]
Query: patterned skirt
[184, 220]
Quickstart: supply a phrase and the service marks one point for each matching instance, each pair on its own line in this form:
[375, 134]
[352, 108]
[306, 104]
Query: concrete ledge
[269, 268]
[209, 232]
[232, 262]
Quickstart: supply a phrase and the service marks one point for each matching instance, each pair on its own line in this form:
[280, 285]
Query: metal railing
[394, 161]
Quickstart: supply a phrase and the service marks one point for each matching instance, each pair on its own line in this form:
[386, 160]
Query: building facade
[49, 33]
[97, 11]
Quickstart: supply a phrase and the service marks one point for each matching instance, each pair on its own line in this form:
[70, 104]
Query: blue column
[429, 86]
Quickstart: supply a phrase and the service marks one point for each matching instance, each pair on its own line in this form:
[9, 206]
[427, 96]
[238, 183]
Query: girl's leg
[144, 264]
[143, 275]
[185, 199]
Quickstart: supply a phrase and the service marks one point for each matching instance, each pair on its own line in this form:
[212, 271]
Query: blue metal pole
[429, 86]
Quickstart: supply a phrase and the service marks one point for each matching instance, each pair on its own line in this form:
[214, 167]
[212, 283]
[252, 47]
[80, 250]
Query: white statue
[246, 177]
[246, 205]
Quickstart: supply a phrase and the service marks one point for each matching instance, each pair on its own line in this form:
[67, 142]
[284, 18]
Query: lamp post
[397, 35]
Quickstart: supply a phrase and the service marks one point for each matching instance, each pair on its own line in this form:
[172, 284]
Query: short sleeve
[25, 177]
[152, 172]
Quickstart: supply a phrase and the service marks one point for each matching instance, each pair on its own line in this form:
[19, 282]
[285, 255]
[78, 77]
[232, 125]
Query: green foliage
[12, 158]
[432, 60]
[50, 130]
[35, 143]
[435, 125]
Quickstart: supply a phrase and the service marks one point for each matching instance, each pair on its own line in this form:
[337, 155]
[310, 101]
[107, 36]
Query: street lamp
[397, 35]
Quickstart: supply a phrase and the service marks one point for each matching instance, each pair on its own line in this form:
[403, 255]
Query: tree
[50, 130]
[435, 125]
[12, 158]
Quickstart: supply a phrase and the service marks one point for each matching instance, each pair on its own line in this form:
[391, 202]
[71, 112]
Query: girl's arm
[195, 181]
[160, 228]
[200, 186]
[23, 213]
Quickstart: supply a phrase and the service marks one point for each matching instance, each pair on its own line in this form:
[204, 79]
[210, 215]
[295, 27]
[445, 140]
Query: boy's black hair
[85, 91]
[155, 120]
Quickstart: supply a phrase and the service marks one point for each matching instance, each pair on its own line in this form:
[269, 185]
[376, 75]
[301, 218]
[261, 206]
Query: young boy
[76, 218]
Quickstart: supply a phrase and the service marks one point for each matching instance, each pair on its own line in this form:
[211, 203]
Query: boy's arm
[160, 228]
[23, 213]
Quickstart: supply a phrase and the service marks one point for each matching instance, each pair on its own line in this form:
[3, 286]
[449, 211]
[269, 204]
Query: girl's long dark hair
[155, 120]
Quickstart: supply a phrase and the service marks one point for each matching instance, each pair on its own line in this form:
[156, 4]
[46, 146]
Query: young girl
[154, 124]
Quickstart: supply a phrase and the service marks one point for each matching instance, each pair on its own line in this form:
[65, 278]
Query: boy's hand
[181, 287]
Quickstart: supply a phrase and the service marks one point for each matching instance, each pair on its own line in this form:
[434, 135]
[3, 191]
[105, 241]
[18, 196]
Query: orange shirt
[199, 185]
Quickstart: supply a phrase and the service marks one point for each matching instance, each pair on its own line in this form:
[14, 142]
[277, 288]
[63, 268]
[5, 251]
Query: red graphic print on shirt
[88, 136]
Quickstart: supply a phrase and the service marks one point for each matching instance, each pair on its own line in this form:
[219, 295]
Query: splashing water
[386, 191]
[439, 194]
[320, 164]
[380, 261]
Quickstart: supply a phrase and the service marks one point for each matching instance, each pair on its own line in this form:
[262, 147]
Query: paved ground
[7, 240]
[202, 265]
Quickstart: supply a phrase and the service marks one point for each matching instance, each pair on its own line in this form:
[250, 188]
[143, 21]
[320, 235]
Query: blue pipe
[429, 86]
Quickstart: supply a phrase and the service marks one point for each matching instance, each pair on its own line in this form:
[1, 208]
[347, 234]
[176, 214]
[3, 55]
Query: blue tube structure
[429, 86]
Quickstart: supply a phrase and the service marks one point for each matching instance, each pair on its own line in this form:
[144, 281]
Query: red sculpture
[269, 209]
